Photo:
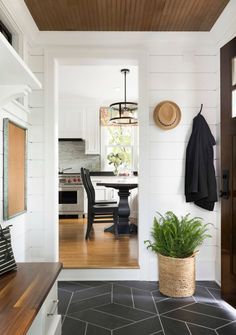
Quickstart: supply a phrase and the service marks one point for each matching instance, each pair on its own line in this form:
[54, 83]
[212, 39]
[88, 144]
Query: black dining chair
[108, 216]
[92, 190]
[98, 212]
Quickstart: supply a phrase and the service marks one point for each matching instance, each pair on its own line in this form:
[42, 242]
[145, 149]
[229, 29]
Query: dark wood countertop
[22, 294]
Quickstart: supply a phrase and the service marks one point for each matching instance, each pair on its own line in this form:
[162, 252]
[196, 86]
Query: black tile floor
[138, 308]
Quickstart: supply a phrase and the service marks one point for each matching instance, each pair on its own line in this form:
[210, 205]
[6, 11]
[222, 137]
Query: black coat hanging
[200, 180]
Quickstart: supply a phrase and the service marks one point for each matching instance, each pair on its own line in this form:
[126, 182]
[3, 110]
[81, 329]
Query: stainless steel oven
[71, 195]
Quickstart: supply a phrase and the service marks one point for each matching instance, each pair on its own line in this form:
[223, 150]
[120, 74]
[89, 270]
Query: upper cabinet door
[71, 119]
[92, 131]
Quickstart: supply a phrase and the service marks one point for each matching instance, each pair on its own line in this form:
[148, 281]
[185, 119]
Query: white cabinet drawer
[55, 325]
[47, 321]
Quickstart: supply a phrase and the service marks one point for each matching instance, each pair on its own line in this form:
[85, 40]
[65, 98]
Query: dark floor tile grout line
[136, 288]
[94, 324]
[112, 292]
[211, 304]
[67, 308]
[188, 328]
[175, 309]
[85, 281]
[208, 315]
[194, 298]
[134, 322]
[91, 288]
[156, 301]
[116, 316]
[156, 332]
[94, 296]
[214, 288]
[158, 315]
[138, 309]
[89, 308]
[132, 296]
[86, 327]
[162, 299]
[217, 301]
[191, 323]
[227, 324]
[67, 291]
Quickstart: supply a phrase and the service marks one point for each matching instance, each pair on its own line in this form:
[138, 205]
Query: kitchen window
[119, 143]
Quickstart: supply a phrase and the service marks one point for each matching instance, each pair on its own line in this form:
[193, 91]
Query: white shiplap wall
[19, 229]
[35, 219]
[189, 79]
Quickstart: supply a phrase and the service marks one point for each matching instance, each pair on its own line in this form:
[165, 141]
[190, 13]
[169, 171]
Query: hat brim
[157, 120]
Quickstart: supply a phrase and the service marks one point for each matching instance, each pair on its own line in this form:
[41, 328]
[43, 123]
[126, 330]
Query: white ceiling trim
[225, 27]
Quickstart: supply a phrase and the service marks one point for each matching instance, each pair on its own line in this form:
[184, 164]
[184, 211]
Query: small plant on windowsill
[176, 241]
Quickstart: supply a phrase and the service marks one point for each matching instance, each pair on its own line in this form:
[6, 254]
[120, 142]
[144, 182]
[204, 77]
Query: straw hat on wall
[167, 115]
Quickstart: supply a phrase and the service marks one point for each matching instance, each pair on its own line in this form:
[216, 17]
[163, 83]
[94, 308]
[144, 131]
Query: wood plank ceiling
[125, 15]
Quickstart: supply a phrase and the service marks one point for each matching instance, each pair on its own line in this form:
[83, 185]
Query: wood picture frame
[14, 169]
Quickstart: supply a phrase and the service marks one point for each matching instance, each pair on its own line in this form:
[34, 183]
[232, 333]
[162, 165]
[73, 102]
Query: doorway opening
[86, 139]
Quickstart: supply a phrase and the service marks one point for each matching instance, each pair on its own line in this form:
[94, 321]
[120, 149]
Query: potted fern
[176, 240]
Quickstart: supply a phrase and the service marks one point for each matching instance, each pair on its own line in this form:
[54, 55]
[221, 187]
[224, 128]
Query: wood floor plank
[101, 251]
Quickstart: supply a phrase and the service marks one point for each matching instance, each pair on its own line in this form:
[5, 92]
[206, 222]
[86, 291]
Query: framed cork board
[14, 169]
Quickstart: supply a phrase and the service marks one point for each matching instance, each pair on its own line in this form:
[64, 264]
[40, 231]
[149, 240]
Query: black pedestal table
[123, 208]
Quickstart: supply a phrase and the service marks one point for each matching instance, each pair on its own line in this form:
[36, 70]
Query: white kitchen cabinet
[92, 130]
[71, 119]
[47, 321]
[79, 118]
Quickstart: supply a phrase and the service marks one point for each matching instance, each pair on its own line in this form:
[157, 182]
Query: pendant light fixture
[124, 113]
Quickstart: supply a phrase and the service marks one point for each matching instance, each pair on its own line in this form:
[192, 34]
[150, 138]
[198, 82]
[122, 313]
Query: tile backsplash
[72, 154]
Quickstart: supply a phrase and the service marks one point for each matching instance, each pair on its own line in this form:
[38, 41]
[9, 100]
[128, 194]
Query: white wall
[187, 74]
[189, 78]
[36, 195]
[19, 229]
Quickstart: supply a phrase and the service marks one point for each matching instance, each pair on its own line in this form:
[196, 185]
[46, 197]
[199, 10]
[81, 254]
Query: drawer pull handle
[54, 307]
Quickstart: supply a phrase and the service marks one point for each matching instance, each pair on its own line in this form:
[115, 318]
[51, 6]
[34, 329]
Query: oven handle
[71, 188]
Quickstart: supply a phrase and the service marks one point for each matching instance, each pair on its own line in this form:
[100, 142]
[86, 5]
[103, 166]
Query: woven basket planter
[176, 276]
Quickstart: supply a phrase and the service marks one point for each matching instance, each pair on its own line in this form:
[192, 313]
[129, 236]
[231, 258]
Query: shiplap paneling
[188, 80]
[36, 166]
[36, 116]
[184, 98]
[185, 63]
[187, 115]
[183, 81]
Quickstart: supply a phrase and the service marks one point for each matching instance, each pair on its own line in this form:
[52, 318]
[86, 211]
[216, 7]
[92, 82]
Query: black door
[228, 168]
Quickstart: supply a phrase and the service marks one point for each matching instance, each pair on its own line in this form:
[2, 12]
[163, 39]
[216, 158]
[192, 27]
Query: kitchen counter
[102, 173]
[114, 179]
[106, 174]
[23, 292]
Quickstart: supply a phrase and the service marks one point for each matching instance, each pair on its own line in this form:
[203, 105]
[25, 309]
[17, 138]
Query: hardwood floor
[101, 251]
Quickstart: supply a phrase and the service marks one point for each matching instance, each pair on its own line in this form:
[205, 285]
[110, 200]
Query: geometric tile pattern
[138, 308]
